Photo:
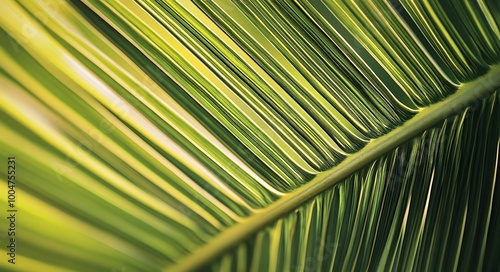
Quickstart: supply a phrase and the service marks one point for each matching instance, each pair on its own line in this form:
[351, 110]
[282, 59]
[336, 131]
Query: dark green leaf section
[432, 204]
[467, 55]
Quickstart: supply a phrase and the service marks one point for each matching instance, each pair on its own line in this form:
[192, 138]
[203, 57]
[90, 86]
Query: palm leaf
[252, 135]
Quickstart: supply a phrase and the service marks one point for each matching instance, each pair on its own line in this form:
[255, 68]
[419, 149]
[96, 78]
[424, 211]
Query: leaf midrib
[467, 94]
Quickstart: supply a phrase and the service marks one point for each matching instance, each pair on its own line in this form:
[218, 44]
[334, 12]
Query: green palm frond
[251, 135]
[429, 205]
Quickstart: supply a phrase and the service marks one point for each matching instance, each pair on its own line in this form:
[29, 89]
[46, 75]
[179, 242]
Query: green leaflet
[149, 132]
